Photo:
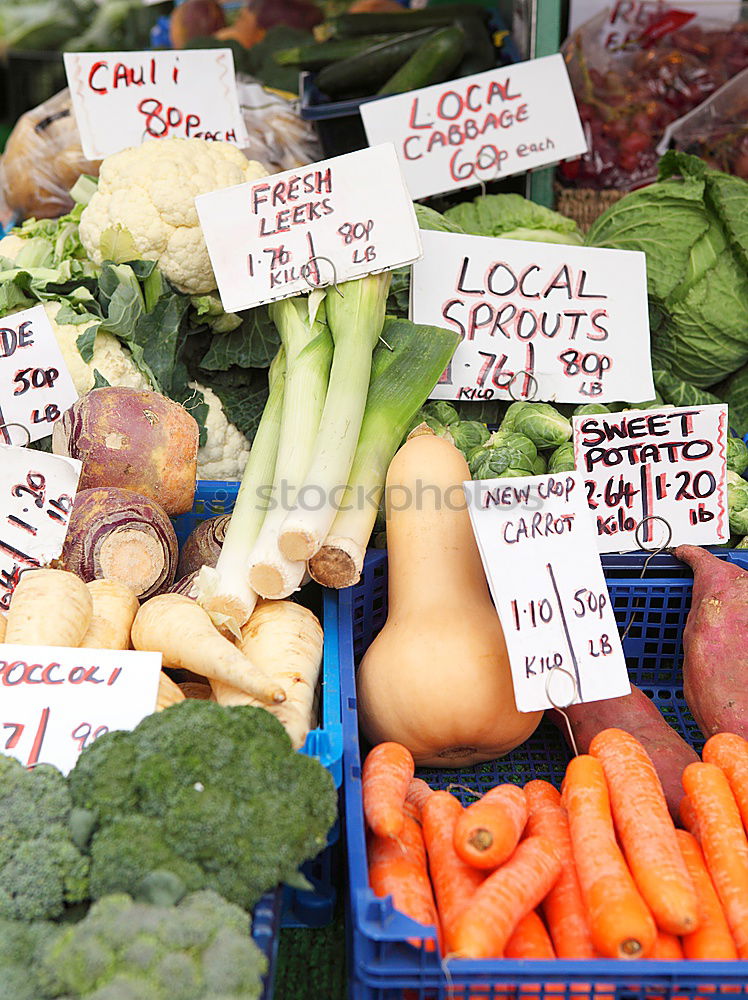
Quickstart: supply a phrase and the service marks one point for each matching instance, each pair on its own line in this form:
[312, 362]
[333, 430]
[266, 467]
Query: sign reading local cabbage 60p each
[537, 321]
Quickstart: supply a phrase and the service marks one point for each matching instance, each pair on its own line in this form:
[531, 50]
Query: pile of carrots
[598, 870]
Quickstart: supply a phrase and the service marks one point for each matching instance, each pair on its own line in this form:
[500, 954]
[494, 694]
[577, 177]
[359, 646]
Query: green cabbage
[513, 217]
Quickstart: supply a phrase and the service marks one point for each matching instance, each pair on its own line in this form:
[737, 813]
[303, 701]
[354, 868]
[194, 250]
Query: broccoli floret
[41, 869]
[214, 796]
[20, 945]
[125, 950]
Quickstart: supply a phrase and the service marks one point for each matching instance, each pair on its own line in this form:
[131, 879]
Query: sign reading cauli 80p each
[504, 121]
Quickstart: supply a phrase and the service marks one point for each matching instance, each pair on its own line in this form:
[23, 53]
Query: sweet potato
[636, 714]
[714, 643]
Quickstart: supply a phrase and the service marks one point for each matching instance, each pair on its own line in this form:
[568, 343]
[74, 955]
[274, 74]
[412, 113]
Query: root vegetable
[179, 629]
[133, 439]
[121, 535]
[192, 690]
[716, 655]
[385, 780]
[114, 608]
[203, 546]
[488, 831]
[49, 607]
[712, 939]
[730, 753]
[285, 641]
[418, 793]
[169, 693]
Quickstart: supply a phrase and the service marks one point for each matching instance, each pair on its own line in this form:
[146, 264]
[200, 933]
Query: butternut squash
[436, 679]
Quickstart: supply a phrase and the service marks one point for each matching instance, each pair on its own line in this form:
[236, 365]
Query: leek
[356, 316]
[305, 335]
[224, 590]
[401, 380]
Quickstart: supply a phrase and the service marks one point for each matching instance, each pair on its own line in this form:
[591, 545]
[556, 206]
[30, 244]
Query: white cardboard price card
[334, 220]
[120, 99]
[573, 318]
[57, 700]
[644, 464]
[537, 541]
[480, 128]
[36, 496]
[35, 385]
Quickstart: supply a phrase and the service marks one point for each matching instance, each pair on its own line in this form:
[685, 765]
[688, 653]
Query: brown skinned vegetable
[203, 546]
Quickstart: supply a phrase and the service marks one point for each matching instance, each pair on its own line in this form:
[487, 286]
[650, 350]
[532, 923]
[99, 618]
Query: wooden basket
[584, 205]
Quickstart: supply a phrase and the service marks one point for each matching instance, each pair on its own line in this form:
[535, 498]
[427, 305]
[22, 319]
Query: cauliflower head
[146, 201]
[226, 451]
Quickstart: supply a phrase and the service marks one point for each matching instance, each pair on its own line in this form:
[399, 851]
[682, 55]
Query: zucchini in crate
[433, 61]
[317, 55]
[366, 71]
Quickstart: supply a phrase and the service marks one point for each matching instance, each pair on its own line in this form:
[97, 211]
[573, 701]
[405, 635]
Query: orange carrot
[724, 844]
[646, 830]
[620, 922]
[454, 881]
[530, 940]
[563, 907]
[730, 753]
[688, 817]
[385, 779]
[418, 792]
[712, 940]
[666, 948]
[487, 832]
[507, 895]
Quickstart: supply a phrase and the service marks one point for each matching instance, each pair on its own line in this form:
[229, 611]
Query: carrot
[688, 817]
[667, 947]
[730, 753]
[530, 939]
[398, 868]
[724, 844]
[454, 881]
[563, 907]
[646, 830]
[418, 792]
[487, 832]
[114, 608]
[386, 777]
[507, 895]
[49, 607]
[712, 939]
[620, 923]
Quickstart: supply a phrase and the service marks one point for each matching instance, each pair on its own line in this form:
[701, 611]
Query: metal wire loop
[655, 552]
[531, 395]
[306, 269]
[23, 428]
[560, 708]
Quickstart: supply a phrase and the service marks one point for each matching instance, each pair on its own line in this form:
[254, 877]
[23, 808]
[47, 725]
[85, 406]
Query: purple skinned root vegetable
[715, 643]
[121, 535]
[135, 440]
[203, 546]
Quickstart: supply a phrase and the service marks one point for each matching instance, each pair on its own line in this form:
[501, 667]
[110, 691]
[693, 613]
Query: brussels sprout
[562, 459]
[743, 543]
[442, 412]
[510, 417]
[658, 403]
[737, 503]
[737, 455]
[502, 453]
[540, 465]
[543, 424]
[426, 416]
[584, 408]
[469, 435]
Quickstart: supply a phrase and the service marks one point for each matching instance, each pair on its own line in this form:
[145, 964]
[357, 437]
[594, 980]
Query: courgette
[320, 54]
[433, 61]
[365, 72]
[350, 25]
[480, 52]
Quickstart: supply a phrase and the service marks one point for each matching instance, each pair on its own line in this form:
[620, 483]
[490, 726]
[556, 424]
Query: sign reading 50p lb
[504, 121]
[536, 320]
[325, 223]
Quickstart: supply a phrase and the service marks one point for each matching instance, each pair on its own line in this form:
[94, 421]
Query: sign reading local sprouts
[540, 321]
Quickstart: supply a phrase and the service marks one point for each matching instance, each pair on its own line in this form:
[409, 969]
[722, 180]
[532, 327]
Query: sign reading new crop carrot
[121, 99]
[536, 538]
[662, 469]
[540, 321]
[479, 128]
[58, 699]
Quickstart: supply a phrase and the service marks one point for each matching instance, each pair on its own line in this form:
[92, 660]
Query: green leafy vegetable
[562, 459]
[737, 503]
[543, 424]
[513, 217]
[737, 455]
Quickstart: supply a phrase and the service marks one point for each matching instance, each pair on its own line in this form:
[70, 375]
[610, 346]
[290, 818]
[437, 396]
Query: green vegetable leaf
[99, 381]
[254, 344]
[243, 394]
[117, 245]
[511, 216]
[85, 342]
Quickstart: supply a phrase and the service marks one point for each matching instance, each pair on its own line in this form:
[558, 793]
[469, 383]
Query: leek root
[114, 608]
[285, 640]
[179, 629]
[49, 607]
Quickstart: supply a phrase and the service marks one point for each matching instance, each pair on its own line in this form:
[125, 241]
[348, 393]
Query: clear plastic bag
[631, 85]
[278, 137]
[42, 160]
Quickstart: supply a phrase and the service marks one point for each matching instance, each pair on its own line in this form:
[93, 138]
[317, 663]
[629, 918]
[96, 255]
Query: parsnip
[285, 640]
[169, 693]
[114, 608]
[179, 629]
[49, 607]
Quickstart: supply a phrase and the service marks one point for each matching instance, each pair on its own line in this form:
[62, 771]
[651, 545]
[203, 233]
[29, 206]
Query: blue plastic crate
[383, 965]
[300, 908]
[265, 934]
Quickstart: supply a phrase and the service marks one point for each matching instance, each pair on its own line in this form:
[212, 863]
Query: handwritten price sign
[57, 700]
[36, 496]
[537, 540]
[668, 464]
[573, 319]
[122, 98]
[277, 237]
[35, 385]
[505, 121]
